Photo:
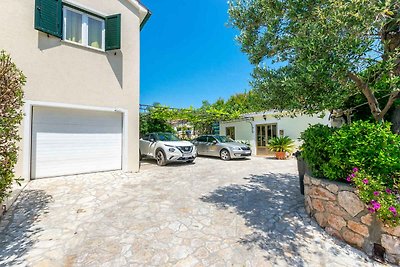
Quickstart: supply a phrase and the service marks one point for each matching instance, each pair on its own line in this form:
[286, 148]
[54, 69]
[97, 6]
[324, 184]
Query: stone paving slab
[211, 213]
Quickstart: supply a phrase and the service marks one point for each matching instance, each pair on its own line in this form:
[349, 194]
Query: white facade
[81, 111]
[246, 129]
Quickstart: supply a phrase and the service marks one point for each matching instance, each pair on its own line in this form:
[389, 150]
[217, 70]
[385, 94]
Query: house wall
[243, 132]
[59, 72]
[292, 127]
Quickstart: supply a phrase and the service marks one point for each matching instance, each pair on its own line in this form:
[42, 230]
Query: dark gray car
[220, 146]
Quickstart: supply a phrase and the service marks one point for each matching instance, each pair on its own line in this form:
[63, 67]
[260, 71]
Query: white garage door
[72, 141]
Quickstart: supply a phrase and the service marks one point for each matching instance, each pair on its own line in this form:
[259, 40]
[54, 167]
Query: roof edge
[144, 12]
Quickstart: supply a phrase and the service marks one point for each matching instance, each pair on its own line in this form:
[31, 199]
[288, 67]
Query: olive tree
[312, 55]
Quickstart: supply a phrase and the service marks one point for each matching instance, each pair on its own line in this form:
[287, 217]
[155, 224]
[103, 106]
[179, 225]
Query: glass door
[264, 133]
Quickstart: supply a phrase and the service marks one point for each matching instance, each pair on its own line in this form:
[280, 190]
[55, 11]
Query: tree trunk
[396, 120]
[369, 94]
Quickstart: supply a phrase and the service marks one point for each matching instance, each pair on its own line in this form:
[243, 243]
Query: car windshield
[223, 139]
[167, 137]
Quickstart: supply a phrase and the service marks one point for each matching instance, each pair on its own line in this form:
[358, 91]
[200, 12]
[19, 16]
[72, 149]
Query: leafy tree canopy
[322, 52]
[158, 116]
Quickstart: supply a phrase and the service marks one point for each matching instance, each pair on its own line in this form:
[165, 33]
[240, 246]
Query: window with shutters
[77, 25]
[84, 29]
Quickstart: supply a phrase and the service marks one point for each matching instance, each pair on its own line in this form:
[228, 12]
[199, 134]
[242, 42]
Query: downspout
[146, 18]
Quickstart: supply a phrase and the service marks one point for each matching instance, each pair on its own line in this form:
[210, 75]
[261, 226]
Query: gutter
[147, 17]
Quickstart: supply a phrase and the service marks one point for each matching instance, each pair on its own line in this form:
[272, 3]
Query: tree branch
[372, 101]
[389, 104]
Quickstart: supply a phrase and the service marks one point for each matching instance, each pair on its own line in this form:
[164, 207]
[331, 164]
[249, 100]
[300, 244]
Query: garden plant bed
[337, 209]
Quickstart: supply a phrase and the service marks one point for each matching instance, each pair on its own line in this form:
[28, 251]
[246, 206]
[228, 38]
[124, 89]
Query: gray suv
[220, 146]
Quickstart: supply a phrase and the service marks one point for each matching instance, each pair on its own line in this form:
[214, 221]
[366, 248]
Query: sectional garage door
[72, 141]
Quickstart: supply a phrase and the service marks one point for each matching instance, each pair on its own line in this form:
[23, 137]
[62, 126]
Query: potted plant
[281, 146]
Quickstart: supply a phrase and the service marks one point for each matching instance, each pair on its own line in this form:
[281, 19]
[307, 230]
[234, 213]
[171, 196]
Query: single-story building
[256, 129]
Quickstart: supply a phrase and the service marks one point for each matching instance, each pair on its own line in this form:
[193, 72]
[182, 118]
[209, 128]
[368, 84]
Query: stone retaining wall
[338, 210]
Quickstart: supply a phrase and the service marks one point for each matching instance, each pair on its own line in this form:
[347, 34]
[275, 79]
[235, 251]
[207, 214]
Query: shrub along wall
[11, 95]
[365, 155]
[337, 208]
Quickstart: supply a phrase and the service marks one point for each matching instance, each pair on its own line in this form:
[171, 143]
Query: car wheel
[225, 155]
[160, 157]
[190, 161]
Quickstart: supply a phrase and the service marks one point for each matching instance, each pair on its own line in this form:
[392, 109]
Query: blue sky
[188, 54]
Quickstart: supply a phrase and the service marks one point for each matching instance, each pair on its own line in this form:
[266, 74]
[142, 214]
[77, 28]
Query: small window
[202, 139]
[210, 139]
[230, 132]
[84, 29]
[153, 136]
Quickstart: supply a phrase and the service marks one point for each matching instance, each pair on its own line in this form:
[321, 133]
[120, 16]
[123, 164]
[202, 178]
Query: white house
[82, 61]
[257, 128]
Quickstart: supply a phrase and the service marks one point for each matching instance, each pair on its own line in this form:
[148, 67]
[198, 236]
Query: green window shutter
[49, 16]
[113, 32]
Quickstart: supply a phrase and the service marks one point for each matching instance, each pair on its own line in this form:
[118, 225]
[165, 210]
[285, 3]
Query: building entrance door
[264, 133]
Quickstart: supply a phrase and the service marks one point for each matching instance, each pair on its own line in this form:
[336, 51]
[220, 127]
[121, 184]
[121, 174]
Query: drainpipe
[147, 17]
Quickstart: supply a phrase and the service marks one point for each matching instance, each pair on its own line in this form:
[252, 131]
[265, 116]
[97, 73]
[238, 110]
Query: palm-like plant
[281, 144]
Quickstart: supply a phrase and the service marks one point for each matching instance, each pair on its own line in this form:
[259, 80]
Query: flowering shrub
[332, 153]
[11, 95]
[380, 193]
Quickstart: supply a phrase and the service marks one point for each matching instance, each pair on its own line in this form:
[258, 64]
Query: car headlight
[237, 148]
[171, 148]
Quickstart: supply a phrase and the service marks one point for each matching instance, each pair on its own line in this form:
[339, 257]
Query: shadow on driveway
[273, 207]
[17, 227]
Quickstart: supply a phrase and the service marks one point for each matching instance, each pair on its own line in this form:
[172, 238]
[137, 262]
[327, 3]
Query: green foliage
[204, 117]
[333, 153]
[148, 124]
[281, 144]
[314, 148]
[365, 153]
[380, 193]
[369, 146]
[11, 115]
[320, 53]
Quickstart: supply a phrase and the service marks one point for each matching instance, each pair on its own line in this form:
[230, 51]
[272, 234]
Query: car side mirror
[214, 142]
[152, 140]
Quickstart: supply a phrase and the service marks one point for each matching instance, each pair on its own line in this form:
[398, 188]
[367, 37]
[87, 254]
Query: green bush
[11, 95]
[314, 148]
[333, 153]
[371, 147]
[364, 153]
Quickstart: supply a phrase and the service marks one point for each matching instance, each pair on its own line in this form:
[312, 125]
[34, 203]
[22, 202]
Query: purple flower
[371, 210]
[365, 181]
[376, 206]
[373, 201]
[388, 191]
[355, 169]
[353, 175]
[393, 210]
[348, 179]
[376, 193]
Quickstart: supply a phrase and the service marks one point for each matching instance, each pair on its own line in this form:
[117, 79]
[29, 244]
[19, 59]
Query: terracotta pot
[280, 155]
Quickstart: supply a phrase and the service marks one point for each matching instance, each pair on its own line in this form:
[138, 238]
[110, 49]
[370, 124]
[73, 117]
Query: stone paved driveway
[212, 213]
